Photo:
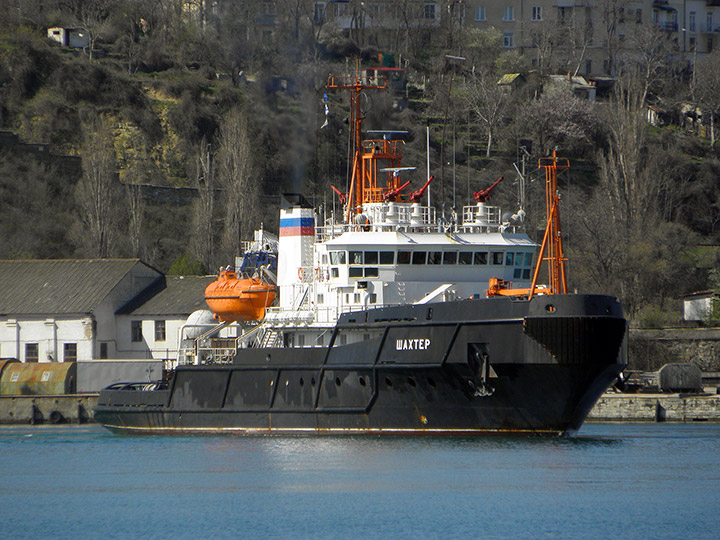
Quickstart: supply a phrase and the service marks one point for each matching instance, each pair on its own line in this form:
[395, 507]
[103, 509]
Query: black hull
[458, 368]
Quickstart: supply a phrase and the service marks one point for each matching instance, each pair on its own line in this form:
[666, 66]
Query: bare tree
[707, 88]
[631, 184]
[92, 16]
[97, 191]
[240, 187]
[488, 102]
[136, 210]
[609, 14]
[547, 37]
[203, 237]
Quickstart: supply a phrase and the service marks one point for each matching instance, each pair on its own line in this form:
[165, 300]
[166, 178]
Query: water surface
[611, 481]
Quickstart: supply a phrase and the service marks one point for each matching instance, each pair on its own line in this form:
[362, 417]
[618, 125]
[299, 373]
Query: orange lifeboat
[239, 299]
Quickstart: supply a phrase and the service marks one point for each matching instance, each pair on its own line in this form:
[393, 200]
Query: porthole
[412, 382]
[312, 381]
[338, 381]
[549, 308]
[388, 382]
[302, 381]
[431, 382]
[362, 381]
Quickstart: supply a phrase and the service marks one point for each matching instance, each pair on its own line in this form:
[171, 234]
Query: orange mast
[552, 240]
[551, 249]
[367, 154]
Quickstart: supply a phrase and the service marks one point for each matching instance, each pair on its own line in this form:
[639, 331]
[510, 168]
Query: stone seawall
[649, 350]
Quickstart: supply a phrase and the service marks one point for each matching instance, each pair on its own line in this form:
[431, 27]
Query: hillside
[213, 130]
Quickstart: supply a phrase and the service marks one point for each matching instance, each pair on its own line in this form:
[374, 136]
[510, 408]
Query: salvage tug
[390, 320]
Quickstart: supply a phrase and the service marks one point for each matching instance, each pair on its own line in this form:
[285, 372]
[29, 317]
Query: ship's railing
[384, 217]
[481, 215]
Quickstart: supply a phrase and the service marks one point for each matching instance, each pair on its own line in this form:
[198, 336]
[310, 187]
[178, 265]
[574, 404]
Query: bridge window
[466, 257]
[337, 257]
[528, 258]
[497, 257]
[371, 257]
[371, 272]
[509, 258]
[526, 273]
[334, 272]
[403, 257]
[481, 257]
[450, 257]
[356, 257]
[434, 257]
[355, 272]
[387, 257]
[418, 257]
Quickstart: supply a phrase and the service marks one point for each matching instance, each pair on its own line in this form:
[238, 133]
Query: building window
[103, 350]
[638, 16]
[69, 352]
[588, 66]
[31, 352]
[136, 331]
[692, 21]
[480, 13]
[710, 44]
[429, 11]
[508, 40]
[319, 15]
[708, 22]
[537, 13]
[509, 15]
[159, 330]
[692, 44]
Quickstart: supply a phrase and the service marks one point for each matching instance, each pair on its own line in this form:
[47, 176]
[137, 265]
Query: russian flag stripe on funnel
[297, 226]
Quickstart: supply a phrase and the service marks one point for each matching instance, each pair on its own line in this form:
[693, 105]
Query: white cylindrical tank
[198, 323]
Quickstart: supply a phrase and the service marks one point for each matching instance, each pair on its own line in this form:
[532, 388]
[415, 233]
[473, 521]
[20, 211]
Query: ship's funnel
[295, 250]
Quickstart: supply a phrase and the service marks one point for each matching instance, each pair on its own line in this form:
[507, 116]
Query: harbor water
[611, 481]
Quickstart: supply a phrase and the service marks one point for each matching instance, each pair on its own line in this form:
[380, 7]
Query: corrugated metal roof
[509, 78]
[49, 287]
[174, 295]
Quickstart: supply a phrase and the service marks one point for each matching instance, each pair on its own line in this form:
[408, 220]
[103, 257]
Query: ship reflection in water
[611, 481]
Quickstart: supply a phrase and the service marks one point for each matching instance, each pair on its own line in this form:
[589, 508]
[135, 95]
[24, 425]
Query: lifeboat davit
[239, 299]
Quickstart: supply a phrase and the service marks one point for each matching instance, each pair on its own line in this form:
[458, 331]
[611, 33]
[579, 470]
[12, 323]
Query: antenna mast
[357, 192]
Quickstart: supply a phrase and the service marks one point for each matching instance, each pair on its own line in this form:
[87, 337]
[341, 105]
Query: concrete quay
[612, 407]
[57, 409]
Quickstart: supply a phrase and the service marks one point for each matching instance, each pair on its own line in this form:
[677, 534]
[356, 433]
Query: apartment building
[591, 34]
